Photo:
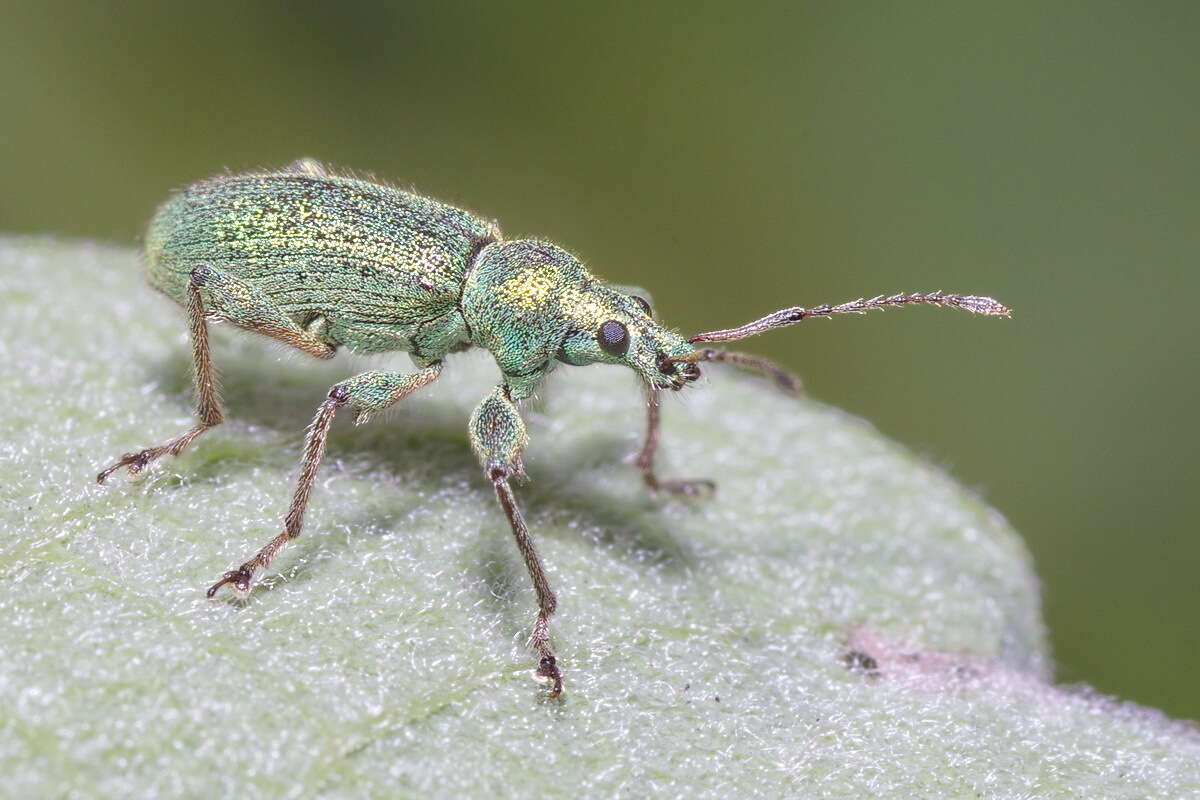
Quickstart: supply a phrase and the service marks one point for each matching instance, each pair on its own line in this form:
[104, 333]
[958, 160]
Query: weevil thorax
[534, 305]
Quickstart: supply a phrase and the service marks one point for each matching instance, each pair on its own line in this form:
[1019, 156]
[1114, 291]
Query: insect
[319, 260]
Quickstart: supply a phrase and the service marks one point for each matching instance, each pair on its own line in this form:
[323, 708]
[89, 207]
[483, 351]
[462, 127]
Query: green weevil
[319, 259]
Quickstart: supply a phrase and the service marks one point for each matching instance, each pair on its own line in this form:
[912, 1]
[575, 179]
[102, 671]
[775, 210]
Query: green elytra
[320, 260]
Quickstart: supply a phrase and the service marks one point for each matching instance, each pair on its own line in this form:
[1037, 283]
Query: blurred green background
[734, 158]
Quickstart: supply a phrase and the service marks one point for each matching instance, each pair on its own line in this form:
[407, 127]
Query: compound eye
[645, 304]
[613, 338]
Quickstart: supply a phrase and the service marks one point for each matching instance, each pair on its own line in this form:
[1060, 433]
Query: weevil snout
[680, 373]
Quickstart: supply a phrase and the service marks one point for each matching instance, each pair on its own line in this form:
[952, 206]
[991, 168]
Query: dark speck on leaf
[859, 661]
[965, 671]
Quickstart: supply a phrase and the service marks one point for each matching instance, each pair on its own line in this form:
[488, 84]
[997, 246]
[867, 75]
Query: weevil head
[617, 326]
[533, 305]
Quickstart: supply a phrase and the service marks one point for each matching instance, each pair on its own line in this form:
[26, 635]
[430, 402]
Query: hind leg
[212, 292]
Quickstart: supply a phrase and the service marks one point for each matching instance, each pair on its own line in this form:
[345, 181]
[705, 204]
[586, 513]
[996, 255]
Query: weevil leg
[366, 393]
[645, 458]
[208, 403]
[307, 166]
[648, 453]
[498, 438]
[213, 293]
[248, 307]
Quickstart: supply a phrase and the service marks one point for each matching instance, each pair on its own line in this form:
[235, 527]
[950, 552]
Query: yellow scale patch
[534, 289]
[529, 288]
[581, 307]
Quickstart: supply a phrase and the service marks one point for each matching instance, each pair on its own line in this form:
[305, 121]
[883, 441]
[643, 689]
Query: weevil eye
[644, 303]
[613, 338]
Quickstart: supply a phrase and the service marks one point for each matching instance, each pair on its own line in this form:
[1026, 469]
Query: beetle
[320, 259]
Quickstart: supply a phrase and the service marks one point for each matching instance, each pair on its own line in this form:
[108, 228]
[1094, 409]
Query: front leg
[367, 393]
[498, 438]
[645, 457]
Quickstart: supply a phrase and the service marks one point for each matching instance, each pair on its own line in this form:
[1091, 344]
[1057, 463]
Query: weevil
[319, 259]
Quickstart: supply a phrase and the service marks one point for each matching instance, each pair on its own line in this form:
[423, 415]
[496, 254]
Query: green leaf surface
[839, 620]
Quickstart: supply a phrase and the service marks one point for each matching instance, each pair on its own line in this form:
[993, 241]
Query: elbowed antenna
[790, 316]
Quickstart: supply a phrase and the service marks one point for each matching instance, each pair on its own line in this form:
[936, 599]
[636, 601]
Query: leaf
[839, 620]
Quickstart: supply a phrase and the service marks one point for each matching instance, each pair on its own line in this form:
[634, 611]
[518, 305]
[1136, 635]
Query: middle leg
[367, 393]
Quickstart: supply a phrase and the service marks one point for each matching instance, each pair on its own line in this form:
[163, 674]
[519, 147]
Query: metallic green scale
[356, 263]
[353, 263]
[319, 261]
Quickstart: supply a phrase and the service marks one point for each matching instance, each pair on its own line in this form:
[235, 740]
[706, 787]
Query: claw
[240, 578]
[688, 488]
[548, 672]
[133, 462]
